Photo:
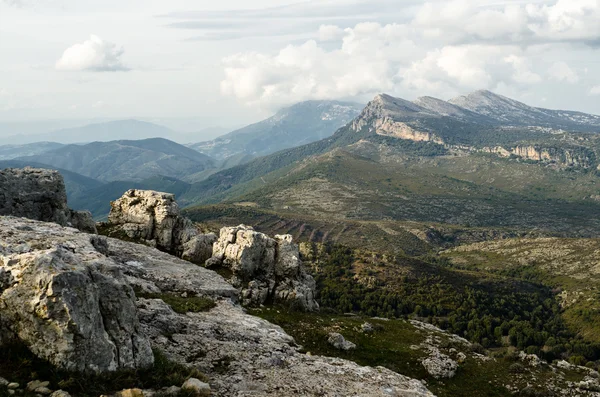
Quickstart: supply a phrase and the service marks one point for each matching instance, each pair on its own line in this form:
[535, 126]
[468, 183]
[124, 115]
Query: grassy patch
[390, 346]
[18, 364]
[180, 304]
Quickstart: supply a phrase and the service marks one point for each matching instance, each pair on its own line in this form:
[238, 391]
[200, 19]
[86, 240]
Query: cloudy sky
[232, 61]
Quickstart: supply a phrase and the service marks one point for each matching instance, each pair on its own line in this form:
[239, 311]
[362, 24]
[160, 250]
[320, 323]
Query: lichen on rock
[40, 194]
[266, 269]
[154, 219]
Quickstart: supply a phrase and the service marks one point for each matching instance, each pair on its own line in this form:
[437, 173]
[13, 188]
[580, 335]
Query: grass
[180, 304]
[390, 346]
[18, 364]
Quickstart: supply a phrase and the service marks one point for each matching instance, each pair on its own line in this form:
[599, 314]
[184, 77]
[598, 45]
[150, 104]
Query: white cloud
[94, 54]
[330, 33]
[366, 62]
[561, 71]
[370, 59]
[464, 20]
[595, 90]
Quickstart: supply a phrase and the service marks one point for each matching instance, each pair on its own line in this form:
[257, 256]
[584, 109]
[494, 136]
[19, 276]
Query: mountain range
[297, 125]
[504, 164]
[425, 160]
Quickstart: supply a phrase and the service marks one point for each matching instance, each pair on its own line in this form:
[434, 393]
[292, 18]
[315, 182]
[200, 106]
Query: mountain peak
[390, 106]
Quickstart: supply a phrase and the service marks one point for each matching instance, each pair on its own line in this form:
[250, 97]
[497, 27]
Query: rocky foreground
[69, 295]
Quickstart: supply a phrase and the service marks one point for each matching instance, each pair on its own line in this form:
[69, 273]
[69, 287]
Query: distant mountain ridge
[126, 160]
[509, 111]
[9, 152]
[296, 125]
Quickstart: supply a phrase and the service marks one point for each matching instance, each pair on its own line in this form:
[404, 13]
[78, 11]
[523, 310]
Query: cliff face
[560, 156]
[389, 127]
[41, 195]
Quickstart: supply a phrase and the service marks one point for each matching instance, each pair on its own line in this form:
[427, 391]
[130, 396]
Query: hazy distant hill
[107, 131]
[297, 125]
[8, 152]
[126, 160]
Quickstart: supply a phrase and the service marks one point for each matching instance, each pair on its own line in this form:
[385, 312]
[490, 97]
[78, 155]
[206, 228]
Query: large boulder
[68, 302]
[41, 195]
[266, 269]
[153, 218]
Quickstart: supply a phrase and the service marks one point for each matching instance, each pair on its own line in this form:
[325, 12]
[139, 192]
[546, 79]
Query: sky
[234, 62]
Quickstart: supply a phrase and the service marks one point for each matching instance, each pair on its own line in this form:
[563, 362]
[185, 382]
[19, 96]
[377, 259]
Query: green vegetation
[390, 346]
[488, 309]
[180, 304]
[18, 364]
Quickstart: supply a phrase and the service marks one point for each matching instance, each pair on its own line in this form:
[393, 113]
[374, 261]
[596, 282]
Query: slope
[127, 160]
[297, 125]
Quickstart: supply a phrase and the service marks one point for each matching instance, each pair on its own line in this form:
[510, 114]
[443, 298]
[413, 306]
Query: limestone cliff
[266, 269]
[41, 195]
[154, 219]
[561, 156]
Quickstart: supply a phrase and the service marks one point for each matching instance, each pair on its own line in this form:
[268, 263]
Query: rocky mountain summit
[40, 194]
[89, 303]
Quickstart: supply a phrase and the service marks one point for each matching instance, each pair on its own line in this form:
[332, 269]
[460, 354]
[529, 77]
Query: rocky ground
[242, 355]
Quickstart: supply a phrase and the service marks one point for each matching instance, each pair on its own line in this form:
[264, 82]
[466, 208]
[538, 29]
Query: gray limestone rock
[41, 195]
[265, 269]
[65, 300]
[154, 219]
[339, 342]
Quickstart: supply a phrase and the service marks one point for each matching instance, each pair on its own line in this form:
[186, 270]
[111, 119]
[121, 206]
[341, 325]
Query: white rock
[265, 268]
[198, 387]
[439, 365]
[339, 342]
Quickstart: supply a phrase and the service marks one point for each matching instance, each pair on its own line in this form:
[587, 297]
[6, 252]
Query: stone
[3, 382]
[34, 384]
[13, 386]
[197, 387]
[130, 393]
[67, 302]
[367, 328]
[439, 365]
[563, 364]
[241, 354]
[41, 195]
[265, 268]
[339, 342]
[60, 393]
[154, 218]
[44, 391]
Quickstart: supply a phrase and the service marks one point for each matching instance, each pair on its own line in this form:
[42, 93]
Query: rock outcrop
[266, 269]
[154, 219]
[41, 195]
[241, 355]
[339, 342]
[69, 303]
